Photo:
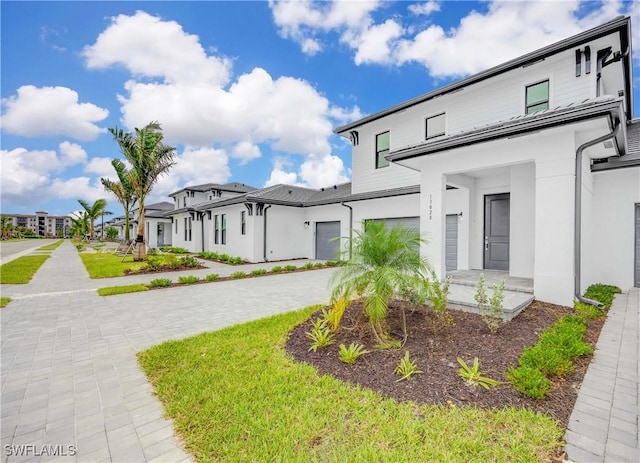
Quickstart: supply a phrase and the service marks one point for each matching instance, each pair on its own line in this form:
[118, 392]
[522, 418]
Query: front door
[496, 232]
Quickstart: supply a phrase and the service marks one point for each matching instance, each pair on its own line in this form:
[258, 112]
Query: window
[216, 229]
[382, 149]
[243, 223]
[189, 228]
[185, 228]
[224, 229]
[537, 97]
[435, 126]
[184, 202]
[176, 225]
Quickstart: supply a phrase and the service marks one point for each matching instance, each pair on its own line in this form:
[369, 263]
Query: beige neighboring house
[42, 224]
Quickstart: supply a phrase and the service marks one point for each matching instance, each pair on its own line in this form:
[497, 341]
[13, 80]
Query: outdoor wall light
[306, 224]
[460, 217]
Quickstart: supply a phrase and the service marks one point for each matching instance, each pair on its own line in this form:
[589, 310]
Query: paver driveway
[70, 380]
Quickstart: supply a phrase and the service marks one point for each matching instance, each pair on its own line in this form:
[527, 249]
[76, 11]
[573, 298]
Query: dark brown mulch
[435, 347]
[146, 271]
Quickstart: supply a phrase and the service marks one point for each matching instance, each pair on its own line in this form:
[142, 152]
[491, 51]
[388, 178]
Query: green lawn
[107, 265]
[51, 247]
[112, 290]
[4, 301]
[235, 395]
[21, 270]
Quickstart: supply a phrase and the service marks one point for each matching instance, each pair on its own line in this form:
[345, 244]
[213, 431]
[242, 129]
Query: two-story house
[532, 166]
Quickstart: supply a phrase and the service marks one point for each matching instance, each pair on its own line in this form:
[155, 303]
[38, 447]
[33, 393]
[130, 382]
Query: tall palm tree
[383, 264]
[123, 191]
[93, 211]
[149, 159]
[79, 225]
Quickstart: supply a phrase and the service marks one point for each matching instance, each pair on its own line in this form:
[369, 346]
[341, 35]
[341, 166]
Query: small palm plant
[384, 262]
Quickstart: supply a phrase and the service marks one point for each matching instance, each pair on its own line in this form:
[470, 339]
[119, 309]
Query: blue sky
[246, 91]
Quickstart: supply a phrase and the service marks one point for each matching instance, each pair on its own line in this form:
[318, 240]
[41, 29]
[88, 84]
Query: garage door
[637, 277]
[451, 243]
[327, 247]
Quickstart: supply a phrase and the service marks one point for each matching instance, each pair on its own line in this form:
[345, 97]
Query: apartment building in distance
[42, 224]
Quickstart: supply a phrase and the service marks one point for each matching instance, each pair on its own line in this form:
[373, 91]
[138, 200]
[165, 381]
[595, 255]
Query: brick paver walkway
[604, 423]
[69, 372]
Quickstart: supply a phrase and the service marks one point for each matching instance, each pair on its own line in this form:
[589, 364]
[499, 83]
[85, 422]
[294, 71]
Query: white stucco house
[530, 167]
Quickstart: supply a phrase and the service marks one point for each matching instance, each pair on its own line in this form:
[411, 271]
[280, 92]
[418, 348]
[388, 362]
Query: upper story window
[216, 229]
[382, 149]
[537, 97]
[243, 223]
[184, 202]
[435, 126]
[223, 235]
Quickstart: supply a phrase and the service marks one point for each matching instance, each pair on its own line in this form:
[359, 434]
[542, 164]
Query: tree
[6, 225]
[112, 233]
[123, 191]
[384, 263]
[79, 225]
[149, 159]
[93, 211]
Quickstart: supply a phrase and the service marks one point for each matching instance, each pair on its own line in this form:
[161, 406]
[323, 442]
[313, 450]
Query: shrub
[352, 353]
[189, 279]
[602, 293]
[472, 375]
[529, 381]
[212, 277]
[439, 292]
[189, 261]
[258, 271]
[332, 263]
[160, 282]
[172, 262]
[290, 268]
[320, 334]
[224, 257]
[152, 252]
[276, 269]
[406, 368]
[308, 266]
[155, 263]
[236, 260]
[587, 311]
[236, 275]
[80, 247]
[318, 265]
[549, 361]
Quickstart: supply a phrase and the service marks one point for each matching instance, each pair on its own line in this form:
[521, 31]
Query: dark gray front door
[496, 232]
[636, 280]
[451, 243]
[327, 248]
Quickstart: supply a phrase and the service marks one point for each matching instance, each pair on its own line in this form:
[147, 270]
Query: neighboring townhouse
[530, 167]
[157, 226]
[42, 224]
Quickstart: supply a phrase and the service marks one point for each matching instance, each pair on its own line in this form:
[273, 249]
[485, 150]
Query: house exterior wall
[237, 244]
[326, 213]
[286, 236]
[608, 252]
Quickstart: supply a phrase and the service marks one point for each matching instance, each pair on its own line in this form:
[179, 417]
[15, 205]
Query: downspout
[578, 214]
[350, 228]
[264, 232]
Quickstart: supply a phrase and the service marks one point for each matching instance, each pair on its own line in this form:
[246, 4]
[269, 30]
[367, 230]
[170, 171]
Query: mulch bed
[435, 347]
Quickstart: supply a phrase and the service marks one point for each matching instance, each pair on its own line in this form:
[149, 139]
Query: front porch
[518, 292]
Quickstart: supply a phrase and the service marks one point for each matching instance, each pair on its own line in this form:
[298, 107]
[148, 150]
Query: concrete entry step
[491, 277]
[461, 297]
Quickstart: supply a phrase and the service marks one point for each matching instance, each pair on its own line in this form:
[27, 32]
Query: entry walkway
[69, 373]
[604, 424]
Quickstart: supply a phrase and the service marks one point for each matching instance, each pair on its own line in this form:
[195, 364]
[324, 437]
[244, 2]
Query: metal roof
[621, 24]
[233, 187]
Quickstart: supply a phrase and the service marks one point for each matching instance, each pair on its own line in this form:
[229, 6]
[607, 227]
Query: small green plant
[308, 266]
[189, 262]
[224, 257]
[319, 265]
[188, 279]
[258, 271]
[152, 252]
[160, 282]
[239, 274]
[320, 334]
[439, 293]
[352, 353]
[481, 297]
[406, 368]
[494, 318]
[276, 269]
[155, 263]
[80, 247]
[472, 375]
[548, 360]
[587, 311]
[290, 268]
[529, 381]
[602, 293]
[174, 250]
[236, 260]
[332, 263]
[212, 277]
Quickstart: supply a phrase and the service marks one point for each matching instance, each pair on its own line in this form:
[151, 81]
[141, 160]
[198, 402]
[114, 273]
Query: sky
[246, 91]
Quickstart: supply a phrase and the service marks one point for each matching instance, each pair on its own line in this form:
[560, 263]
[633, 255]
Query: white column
[432, 219]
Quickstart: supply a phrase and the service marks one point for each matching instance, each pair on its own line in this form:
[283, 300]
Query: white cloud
[49, 111]
[101, 167]
[375, 43]
[201, 165]
[425, 8]
[150, 47]
[77, 188]
[314, 172]
[72, 153]
[245, 151]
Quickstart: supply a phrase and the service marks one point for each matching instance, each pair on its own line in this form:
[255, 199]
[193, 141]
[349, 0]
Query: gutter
[577, 217]
[264, 232]
[350, 228]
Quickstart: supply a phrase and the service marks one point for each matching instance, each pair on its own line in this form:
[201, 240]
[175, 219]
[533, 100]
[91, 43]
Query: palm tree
[79, 225]
[149, 159]
[93, 211]
[6, 227]
[123, 191]
[384, 263]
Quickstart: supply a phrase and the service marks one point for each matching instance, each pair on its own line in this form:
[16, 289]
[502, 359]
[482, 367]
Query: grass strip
[106, 265]
[235, 395]
[113, 290]
[4, 301]
[21, 270]
[51, 247]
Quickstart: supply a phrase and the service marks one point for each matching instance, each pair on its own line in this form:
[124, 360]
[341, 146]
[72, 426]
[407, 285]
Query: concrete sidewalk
[69, 372]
